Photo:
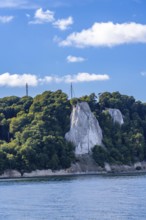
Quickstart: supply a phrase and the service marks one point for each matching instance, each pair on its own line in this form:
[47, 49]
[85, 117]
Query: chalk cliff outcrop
[85, 131]
[116, 116]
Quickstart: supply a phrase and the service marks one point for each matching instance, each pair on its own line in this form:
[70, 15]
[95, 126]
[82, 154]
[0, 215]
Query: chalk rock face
[85, 131]
[116, 115]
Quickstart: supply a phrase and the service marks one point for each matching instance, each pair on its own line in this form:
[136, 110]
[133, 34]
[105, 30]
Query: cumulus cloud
[42, 17]
[17, 80]
[76, 78]
[20, 80]
[6, 19]
[85, 77]
[107, 34]
[74, 59]
[63, 24]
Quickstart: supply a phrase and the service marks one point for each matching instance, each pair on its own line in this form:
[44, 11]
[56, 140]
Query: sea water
[88, 197]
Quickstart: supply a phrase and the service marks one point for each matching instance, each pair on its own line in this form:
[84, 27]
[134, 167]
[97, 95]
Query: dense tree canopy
[32, 130]
[125, 144]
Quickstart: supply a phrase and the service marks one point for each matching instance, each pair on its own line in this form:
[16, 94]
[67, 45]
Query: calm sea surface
[74, 198]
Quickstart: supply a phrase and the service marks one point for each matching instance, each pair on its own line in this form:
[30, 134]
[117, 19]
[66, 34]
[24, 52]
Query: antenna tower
[26, 89]
[71, 91]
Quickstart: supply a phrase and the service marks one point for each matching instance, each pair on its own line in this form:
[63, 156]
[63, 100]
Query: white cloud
[85, 77]
[73, 59]
[42, 17]
[49, 79]
[20, 80]
[6, 19]
[63, 24]
[16, 4]
[107, 34]
[46, 79]
[76, 78]
[16, 80]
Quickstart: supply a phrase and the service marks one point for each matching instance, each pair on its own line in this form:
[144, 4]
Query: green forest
[32, 131]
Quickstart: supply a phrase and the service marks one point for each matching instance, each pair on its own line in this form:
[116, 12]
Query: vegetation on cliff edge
[32, 131]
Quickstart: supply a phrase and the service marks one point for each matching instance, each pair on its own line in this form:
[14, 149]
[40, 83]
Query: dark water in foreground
[74, 198]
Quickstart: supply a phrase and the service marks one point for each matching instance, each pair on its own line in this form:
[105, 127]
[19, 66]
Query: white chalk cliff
[116, 116]
[85, 131]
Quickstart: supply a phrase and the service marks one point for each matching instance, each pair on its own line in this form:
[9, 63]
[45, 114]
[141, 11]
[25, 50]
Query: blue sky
[98, 45]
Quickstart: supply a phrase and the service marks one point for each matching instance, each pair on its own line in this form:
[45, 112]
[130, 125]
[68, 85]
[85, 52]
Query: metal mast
[26, 89]
[71, 91]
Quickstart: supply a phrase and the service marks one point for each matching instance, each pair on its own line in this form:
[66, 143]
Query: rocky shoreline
[80, 168]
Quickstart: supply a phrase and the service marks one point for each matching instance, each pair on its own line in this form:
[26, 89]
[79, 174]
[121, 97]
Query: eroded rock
[116, 116]
[85, 131]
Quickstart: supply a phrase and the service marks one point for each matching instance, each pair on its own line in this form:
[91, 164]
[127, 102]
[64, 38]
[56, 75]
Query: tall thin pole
[26, 89]
[71, 91]
[88, 133]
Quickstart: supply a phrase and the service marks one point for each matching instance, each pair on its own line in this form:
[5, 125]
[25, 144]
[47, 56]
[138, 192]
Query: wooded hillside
[32, 131]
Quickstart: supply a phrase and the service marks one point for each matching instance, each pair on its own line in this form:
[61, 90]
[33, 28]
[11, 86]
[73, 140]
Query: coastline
[75, 170]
